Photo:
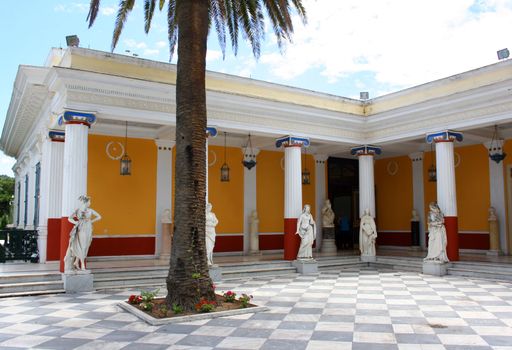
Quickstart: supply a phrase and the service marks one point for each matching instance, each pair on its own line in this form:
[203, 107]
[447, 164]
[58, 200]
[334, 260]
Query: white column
[163, 187]
[75, 167]
[496, 186]
[320, 187]
[74, 180]
[211, 131]
[446, 189]
[292, 191]
[23, 188]
[418, 192]
[50, 194]
[365, 154]
[15, 215]
[292, 182]
[249, 196]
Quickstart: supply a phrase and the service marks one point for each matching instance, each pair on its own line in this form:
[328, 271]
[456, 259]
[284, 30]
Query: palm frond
[149, 9]
[218, 16]
[94, 6]
[161, 5]
[172, 27]
[125, 6]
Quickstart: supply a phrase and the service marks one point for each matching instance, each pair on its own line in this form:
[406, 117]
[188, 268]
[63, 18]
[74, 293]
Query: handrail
[18, 245]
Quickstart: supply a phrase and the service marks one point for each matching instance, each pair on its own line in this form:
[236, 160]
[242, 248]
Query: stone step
[234, 274]
[24, 294]
[123, 281]
[483, 266]
[480, 274]
[31, 287]
[255, 266]
[30, 277]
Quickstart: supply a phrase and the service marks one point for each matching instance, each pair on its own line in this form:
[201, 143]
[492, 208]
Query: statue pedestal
[306, 266]
[215, 273]
[493, 252]
[328, 242]
[368, 258]
[415, 234]
[165, 252]
[78, 281]
[434, 268]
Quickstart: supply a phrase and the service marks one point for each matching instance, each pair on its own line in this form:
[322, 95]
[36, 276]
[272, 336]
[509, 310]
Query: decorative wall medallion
[456, 159]
[392, 168]
[114, 150]
[212, 158]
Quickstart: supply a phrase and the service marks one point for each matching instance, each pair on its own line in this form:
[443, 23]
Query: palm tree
[189, 22]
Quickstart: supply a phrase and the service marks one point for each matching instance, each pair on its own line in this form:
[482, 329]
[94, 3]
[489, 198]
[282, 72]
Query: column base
[368, 258]
[435, 269]
[291, 240]
[78, 281]
[493, 252]
[306, 266]
[255, 252]
[329, 246]
[165, 257]
[215, 273]
[452, 237]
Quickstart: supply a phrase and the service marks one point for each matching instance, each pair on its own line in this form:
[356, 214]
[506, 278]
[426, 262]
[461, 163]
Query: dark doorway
[343, 185]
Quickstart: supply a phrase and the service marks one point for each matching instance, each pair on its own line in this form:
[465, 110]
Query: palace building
[71, 121]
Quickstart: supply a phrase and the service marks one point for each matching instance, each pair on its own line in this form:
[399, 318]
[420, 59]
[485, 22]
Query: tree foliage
[6, 194]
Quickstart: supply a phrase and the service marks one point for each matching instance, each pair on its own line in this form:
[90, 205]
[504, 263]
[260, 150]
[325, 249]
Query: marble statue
[415, 216]
[327, 214]
[436, 235]
[254, 222]
[494, 232]
[367, 234]
[80, 237]
[211, 221]
[306, 229]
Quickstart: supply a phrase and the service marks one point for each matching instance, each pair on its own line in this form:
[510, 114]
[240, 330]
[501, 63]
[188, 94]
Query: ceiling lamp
[432, 173]
[306, 175]
[126, 162]
[224, 169]
[496, 147]
[251, 163]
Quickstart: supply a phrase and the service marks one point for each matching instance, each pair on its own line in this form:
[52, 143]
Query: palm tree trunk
[188, 278]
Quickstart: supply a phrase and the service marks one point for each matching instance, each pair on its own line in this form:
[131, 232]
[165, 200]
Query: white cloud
[213, 55]
[72, 7]
[402, 42]
[161, 44]
[151, 52]
[6, 164]
[108, 10]
[133, 44]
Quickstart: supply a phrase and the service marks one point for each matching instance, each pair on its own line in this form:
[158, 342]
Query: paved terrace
[351, 309]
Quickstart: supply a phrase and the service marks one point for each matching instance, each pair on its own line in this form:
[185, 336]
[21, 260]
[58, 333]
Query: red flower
[135, 299]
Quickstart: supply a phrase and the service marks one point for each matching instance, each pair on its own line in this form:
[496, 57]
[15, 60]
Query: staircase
[35, 283]
[489, 271]
[256, 269]
[339, 263]
[399, 263]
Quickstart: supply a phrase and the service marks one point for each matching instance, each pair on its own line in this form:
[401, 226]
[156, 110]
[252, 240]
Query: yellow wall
[270, 191]
[429, 188]
[308, 191]
[472, 181]
[473, 194]
[270, 188]
[394, 195]
[227, 198]
[127, 204]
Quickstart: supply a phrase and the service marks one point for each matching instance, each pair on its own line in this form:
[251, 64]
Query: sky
[347, 46]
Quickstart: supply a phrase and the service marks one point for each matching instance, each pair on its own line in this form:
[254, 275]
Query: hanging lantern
[306, 175]
[126, 162]
[249, 164]
[496, 147]
[224, 169]
[432, 173]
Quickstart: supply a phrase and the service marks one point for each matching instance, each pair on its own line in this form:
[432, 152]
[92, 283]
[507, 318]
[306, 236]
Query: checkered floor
[352, 309]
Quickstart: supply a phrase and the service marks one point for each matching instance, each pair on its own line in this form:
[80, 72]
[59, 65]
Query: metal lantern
[224, 169]
[306, 175]
[496, 147]
[432, 172]
[126, 162]
[251, 163]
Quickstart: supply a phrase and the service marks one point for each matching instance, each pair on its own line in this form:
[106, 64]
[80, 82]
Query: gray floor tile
[368, 327]
[275, 344]
[332, 336]
[417, 339]
[297, 325]
[63, 344]
[252, 333]
[200, 340]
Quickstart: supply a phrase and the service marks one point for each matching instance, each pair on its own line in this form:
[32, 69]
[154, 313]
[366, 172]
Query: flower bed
[156, 312]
